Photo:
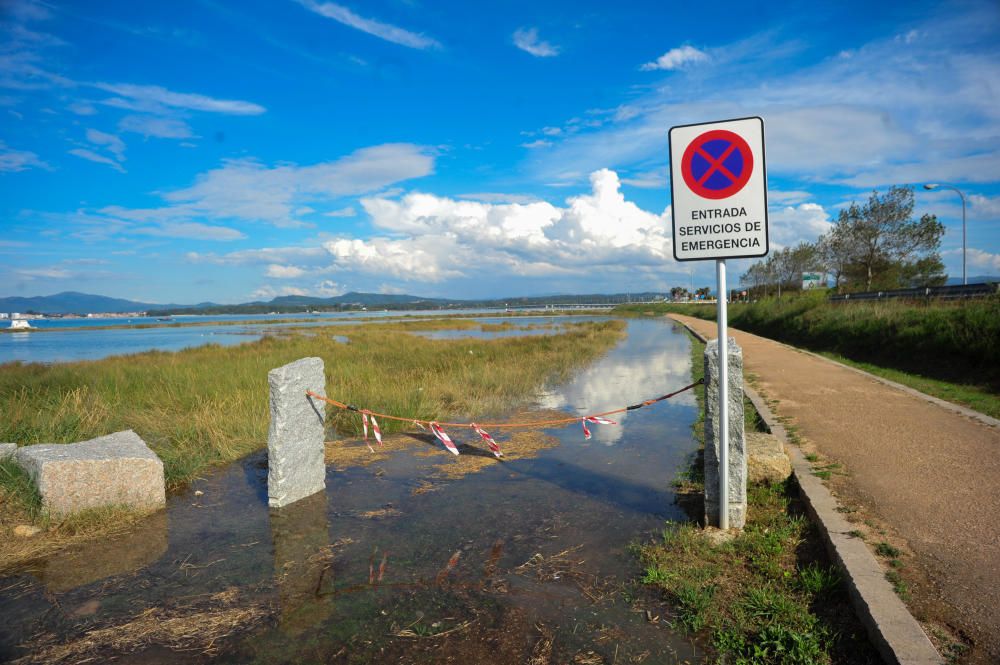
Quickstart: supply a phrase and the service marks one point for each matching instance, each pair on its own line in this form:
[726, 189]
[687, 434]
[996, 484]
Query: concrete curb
[892, 629]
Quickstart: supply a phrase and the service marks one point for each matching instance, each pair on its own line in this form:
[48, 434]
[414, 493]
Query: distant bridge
[565, 306]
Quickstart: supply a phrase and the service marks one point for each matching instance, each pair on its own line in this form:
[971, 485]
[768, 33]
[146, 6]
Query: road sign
[811, 280]
[718, 187]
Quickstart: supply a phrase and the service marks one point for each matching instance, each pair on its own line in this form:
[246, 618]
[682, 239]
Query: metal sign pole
[720, 271]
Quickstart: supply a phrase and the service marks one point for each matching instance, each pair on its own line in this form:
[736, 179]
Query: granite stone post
[737, 440]
[295, 464]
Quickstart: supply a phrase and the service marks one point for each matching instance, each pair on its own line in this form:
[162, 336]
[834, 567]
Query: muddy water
[525, 560]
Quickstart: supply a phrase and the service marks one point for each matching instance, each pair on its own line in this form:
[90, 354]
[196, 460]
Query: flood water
[64, 340]
[526, 559]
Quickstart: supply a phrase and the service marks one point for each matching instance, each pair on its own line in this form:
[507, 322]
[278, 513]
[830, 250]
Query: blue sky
[229, 151]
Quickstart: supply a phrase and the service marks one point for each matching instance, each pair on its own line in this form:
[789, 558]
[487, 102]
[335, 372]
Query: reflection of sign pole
[718, 187]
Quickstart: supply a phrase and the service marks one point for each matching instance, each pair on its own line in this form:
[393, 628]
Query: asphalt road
[915, 473]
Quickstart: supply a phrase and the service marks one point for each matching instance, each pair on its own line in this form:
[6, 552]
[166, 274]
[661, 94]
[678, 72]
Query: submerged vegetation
[206, 406]
[947, 349]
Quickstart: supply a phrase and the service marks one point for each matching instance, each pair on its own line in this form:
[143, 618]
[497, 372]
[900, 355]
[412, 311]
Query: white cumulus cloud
[284, 272]
[676, 58]
[978, 259]
[430, 238]
[790, 225]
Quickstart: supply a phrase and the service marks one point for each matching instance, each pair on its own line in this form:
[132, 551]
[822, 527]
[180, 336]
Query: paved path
[931, 475]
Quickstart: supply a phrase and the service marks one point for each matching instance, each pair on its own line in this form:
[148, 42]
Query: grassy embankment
[950, 350]
[768, 596]
[204, 407]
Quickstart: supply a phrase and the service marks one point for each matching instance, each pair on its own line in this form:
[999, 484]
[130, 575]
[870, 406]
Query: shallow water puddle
[521, 561]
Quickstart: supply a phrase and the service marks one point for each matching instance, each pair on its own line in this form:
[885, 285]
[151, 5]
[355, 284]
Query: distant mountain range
[978, 279]
[72, 302]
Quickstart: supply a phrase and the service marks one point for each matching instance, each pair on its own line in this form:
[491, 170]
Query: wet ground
[524, 561]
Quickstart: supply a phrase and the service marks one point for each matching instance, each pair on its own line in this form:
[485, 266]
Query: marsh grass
[206, 406]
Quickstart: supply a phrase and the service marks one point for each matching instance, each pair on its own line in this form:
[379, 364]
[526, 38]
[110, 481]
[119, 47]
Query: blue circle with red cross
[717, 164]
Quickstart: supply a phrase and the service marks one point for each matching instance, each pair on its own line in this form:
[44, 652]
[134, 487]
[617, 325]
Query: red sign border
[738, 184]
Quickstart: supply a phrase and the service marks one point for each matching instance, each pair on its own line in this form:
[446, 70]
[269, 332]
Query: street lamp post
[933, 186]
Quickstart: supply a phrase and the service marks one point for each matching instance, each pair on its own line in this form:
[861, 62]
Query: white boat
[20, 324]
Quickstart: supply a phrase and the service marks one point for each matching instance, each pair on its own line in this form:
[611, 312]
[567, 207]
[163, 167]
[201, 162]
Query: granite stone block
[113, 470]
[295, 461]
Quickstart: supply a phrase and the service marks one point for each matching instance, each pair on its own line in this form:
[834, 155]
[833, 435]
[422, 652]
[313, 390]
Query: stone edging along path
[892, 629]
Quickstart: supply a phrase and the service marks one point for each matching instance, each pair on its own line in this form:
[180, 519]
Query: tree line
[874, 246]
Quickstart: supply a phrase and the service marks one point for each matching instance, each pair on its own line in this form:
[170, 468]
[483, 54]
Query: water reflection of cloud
[657, 362]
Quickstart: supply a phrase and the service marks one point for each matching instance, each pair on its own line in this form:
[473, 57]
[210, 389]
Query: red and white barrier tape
[494, 448]
[444, 438]
[594, 419]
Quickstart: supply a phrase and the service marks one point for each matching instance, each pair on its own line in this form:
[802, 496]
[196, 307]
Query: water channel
[65, 340]
[525, 559]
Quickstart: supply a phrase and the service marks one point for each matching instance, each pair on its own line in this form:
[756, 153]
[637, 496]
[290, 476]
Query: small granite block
[117, 469]
[737, 445]
[7, 450]
[767, 461]
[295, 463]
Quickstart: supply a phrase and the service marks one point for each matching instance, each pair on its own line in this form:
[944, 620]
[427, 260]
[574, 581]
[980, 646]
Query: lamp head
[931, 186]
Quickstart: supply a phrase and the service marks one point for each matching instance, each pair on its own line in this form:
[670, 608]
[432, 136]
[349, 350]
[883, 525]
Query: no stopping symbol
[717, 164]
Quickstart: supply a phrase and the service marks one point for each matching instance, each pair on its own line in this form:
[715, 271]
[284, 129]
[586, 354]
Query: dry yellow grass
[200, 627]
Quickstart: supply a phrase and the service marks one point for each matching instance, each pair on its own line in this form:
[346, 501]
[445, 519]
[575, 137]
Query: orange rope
[537, 423]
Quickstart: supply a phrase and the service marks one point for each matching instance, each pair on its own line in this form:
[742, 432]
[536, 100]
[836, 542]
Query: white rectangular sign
[718, 187]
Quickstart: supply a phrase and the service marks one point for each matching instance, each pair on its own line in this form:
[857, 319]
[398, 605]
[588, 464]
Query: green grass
[18, 494]
[950, 350]
[768, 596]
[898, 584]
[974, 396]
[203, 407]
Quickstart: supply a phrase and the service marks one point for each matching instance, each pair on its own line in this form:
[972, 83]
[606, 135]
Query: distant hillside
[73, 302]
[977, 279]
[355, 298]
